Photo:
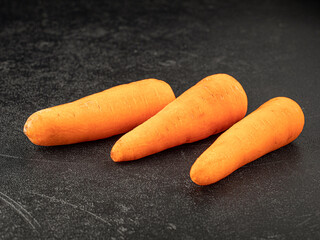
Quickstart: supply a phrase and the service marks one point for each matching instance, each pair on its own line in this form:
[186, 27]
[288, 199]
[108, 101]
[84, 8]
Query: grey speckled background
[53, 52]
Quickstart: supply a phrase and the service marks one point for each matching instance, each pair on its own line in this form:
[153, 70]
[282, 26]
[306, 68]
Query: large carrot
[211, 106]
[101, 115]
[274, 124]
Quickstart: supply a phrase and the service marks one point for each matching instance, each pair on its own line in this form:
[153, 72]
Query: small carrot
[274, 124]
[101, 115]
[211, 106]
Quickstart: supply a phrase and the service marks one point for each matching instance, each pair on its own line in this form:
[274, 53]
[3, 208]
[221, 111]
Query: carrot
[274, 124]
[101, 115]
[211, 106]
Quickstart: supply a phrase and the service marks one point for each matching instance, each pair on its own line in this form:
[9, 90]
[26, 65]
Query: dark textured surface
[51, 53]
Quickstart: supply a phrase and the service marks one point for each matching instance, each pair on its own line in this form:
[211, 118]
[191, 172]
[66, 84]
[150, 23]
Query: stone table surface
[52, 52]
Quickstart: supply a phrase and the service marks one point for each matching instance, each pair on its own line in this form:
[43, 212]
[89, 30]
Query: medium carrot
[211, 106]
[274, 124]
[101, 115]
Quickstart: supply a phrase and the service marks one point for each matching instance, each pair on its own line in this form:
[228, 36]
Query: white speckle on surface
[171, 226]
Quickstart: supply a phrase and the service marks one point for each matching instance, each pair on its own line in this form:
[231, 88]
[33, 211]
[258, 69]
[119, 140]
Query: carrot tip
[116, 155]
[25, 129]
[193, 176]
[200, 175]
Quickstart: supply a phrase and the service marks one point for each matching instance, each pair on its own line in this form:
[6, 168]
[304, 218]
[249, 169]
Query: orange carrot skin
[274, 124]
[101, 115]
[211, 106]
